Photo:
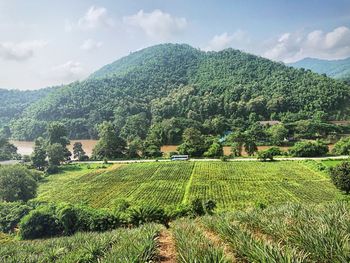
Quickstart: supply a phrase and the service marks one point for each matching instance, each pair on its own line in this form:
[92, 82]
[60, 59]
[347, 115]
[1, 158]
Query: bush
[146, 214]
[309, 149]
[268, 154]
[11, 214]
[17, 183]
[82, 218]
[39, 223]
[197, 207]
[340, 176]
[342, 147]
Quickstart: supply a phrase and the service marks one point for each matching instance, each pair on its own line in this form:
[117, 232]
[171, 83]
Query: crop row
[123, 245]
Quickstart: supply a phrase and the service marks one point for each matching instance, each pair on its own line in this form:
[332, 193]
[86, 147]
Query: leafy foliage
[309, 149]
[17, 183]
[167, 88]
[340, 175]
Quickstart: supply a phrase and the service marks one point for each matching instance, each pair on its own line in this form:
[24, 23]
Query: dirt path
[219, 243]
[167, 251]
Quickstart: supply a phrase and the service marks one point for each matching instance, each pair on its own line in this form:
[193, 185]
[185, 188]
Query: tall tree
[78, 151]
[110, 145]
[57, 133]
[39, 154]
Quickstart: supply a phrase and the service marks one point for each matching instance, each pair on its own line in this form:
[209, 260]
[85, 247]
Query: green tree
[78, 152]
[250, 146]
[277, 134]
[309, 149]
[340, 175]
[342, 147]
[39, 155]
[7, 150]
[56, 154]
[16, 183]
[215, 150]
[193, 143]
[57, 133]
[110, 145]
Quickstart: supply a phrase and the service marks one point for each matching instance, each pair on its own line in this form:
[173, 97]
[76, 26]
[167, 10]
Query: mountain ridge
[169, 87]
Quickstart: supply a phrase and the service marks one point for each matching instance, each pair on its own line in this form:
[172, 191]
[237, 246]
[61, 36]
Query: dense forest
[338, 69]
[167, 88]
[14, 102]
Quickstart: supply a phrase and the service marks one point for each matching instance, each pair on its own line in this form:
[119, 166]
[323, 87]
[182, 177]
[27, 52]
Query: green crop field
[286, 233]
[230, 184]
[121, 245]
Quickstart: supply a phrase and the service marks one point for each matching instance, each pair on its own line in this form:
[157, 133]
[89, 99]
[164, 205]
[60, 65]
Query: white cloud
[326, 45]
[20, 51]
[91, 44]
[238, 39]
[157, 24]
[95, 17]
[67, 72]
[219, 42]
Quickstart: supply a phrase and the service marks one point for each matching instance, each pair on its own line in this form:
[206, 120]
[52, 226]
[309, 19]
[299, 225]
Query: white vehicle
[179, 158]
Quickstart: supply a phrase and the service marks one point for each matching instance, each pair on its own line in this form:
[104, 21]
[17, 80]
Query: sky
[48, 43]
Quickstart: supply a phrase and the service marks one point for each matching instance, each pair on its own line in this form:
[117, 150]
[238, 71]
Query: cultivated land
[286, 233]
[233, 185]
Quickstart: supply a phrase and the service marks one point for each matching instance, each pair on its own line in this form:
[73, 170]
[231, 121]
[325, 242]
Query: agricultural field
[284, 233]
[122, 245]
[233, 185]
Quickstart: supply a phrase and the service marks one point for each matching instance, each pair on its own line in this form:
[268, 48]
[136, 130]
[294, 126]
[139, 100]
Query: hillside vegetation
[167, 88]
[338, 69]
[232, 185]
[14, 102]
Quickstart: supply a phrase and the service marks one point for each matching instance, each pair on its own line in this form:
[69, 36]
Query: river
[26, 147]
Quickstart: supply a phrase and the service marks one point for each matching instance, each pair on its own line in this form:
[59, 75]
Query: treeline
[168, 88]
[14, 102]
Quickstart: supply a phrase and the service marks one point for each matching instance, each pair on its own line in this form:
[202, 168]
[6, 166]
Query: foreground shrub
[340, 175]
[146, 214]
[11, 214]
[82, 218]
[309, 149]
[41, 222]
[17, 183]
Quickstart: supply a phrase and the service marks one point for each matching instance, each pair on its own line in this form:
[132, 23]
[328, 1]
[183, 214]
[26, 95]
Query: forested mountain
[14, 102]
[338, 69]
[166, 88]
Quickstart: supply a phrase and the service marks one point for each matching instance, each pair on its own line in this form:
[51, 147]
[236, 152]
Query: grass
[123, 245]
[234, 185]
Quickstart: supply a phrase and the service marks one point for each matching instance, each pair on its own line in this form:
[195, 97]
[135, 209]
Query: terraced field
[230, 184]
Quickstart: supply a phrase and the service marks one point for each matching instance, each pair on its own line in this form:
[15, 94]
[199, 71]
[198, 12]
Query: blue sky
[45, 43]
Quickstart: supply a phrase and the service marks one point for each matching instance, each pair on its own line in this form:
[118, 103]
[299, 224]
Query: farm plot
[233, 185]
[242, 184]
[287, 233]
[121, 245]
[159, 184]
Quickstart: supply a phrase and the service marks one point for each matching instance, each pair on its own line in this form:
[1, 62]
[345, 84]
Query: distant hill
[338, 69]
[163, 89]
[14, 102]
